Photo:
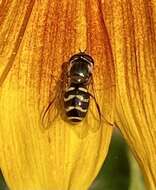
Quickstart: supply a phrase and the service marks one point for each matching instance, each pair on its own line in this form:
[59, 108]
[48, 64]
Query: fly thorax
[80, 72]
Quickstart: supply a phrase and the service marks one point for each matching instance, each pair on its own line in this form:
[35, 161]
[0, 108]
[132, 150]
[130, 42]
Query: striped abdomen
[76, 102]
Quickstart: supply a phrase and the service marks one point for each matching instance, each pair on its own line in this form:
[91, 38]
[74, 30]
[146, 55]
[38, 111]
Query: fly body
[72, 91]
[76, 96]
[76, 102]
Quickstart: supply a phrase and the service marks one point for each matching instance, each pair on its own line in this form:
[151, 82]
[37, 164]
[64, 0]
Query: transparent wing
[54, 107]
[95, 110]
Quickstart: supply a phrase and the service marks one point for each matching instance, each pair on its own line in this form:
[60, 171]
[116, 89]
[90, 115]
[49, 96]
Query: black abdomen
[76, 102]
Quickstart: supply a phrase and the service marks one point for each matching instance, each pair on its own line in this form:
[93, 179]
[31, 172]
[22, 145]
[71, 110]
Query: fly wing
[95, 109]
[53, 109]
[55, 106]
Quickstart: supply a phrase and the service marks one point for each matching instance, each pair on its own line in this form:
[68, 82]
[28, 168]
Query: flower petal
[37, 37]
[131, 26]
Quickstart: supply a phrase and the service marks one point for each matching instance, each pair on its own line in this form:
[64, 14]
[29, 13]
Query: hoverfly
[74, 95]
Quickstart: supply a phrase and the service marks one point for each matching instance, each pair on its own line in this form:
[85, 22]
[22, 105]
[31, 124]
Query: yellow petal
[131, 26]
[36, 38]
